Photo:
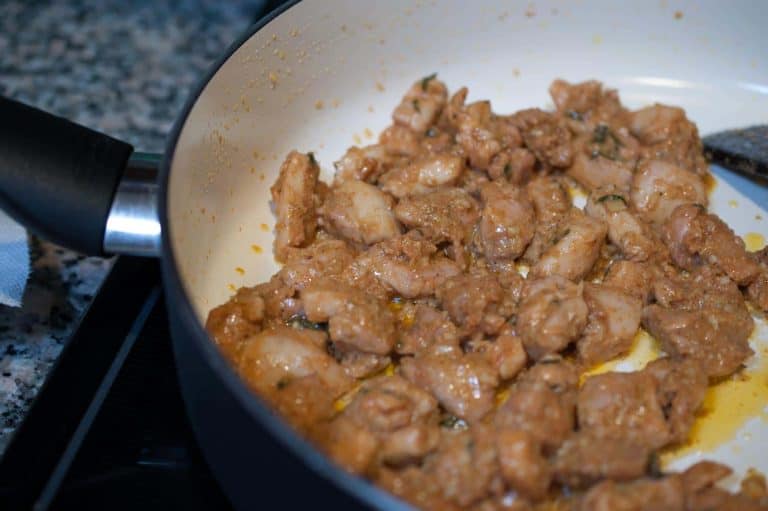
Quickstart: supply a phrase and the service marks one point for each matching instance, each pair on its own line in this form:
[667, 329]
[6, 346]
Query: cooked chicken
[423, 176]
[442, 302]
[552, 314]
[668, 135]
[293, 196]
[623, 406]
[576, 249]
[551, 203]
[463, 384]
[507, 223]
[634, 238]
[613, 320]
[355, 320]
[359, 212]
[443, 215]
[695, 237]
[659, 187]
[361, 164]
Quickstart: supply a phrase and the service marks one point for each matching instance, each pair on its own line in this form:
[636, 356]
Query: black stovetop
[108, 430]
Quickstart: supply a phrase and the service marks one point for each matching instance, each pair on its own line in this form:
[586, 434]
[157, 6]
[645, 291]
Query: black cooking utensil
[742, 150]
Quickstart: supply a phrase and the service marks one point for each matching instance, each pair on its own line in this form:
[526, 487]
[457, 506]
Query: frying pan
[319, 76]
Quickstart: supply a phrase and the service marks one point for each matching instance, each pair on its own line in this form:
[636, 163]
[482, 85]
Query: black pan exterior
[236, 430]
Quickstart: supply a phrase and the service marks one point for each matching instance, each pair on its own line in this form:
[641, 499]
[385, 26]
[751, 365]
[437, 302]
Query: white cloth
[14, 261]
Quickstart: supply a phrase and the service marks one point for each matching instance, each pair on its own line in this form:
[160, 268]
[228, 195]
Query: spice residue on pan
[710, 183]
[754, 241]
[257, 249]
[728, 405]
[644, 349]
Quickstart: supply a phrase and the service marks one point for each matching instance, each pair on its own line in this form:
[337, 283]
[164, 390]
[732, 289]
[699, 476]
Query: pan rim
[358, 487]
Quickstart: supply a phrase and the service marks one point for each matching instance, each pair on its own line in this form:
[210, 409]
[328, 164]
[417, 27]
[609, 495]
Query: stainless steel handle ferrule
[133, 226]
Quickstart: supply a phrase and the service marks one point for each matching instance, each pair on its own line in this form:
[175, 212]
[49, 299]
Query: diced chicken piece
[702, 494]
[546, 135]
[717, 340]
[642, 495]
[360, 212]
[659, 187]
[324, 258]
[702, 475]
[388, 403]
[464, 466]
[507, 355]
[669, 136]
[623, 406]
[475, 133]
[522, 464]
[426, 329]
[359, 364]
[631, 277]
[577, 250]
[351, 446]
[551, 203]
[561, 376]
[405, 265]
[695, 237]
[355, 320]
[632, 236]
[361, 164]
[400, 141]
[701, 289]
[585, 459]
[436, 141]
[480, 145]
[293, 195]
[475, 303]
[284, 364]
[540, 411]
[595, 171]
[613, 320]
[384, 416]
[757, 291]
[421, 105]
[423, 176]
[464, 384]
[681, 386]
[442, 215]
[507, 224]
[552, 314]
[229, 324]
[409, 444]
[515, 165]
[586, 101]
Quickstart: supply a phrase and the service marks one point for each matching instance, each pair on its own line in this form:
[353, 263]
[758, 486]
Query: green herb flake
[576, 116]
[507, 169]
[312, 159]
[425, 81]
[301, 323]
[416, 106]
[453, 422]
[612, 196]
[600, 134]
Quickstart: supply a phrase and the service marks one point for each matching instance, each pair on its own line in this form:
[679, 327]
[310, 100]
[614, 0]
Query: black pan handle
[58, 178]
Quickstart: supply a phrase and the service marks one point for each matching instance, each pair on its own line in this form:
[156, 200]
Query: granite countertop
[122, 67]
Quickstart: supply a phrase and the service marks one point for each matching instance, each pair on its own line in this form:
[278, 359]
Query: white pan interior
[326, 74]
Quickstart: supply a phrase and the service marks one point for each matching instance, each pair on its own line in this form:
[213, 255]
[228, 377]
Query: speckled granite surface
[125, 68]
